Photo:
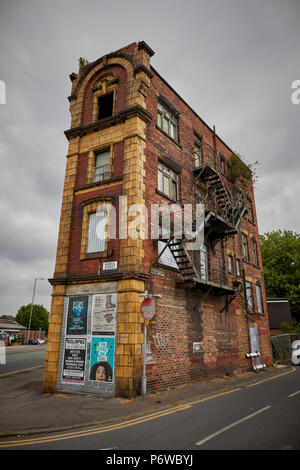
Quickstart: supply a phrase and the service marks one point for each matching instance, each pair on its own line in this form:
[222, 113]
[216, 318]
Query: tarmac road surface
[252, 415]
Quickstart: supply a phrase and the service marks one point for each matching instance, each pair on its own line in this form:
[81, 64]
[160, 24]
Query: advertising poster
[77, 316]
[104, 314]
[74, 360]
[102, 359]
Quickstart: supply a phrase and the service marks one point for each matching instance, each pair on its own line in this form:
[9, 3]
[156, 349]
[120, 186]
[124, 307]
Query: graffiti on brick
[161, 341]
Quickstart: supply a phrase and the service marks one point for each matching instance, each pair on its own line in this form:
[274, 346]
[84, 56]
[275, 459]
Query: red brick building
[133, 140]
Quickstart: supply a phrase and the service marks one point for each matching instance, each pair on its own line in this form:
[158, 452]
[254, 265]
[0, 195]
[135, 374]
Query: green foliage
[241, 171]
[39, 319]
[281, 264]
[295, 328]
[82, 62]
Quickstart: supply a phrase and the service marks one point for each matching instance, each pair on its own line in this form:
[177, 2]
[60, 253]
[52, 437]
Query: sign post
[147, 312]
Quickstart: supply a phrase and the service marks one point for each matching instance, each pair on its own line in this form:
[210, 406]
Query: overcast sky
[233, 61]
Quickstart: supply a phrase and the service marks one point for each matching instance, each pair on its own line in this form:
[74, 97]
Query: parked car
[33, 341]
[296, 352]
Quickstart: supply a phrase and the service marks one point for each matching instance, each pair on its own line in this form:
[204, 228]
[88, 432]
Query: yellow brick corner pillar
[130, 335]
[53, 345]
[129, 356]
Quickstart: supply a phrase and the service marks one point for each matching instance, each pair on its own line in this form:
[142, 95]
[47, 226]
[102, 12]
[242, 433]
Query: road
[23, 357]
[264, 416]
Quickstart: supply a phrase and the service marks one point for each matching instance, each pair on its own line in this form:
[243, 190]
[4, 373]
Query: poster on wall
[77, 315]
[104, 314]
[102, 359]
[74, 361]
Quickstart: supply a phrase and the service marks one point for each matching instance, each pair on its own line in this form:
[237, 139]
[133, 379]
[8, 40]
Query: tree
[287, 328]
[39, 319]
[281, 266]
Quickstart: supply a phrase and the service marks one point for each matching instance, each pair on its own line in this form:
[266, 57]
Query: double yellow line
[20, 370]
[124, 424]
[90, 432]
[113, 427]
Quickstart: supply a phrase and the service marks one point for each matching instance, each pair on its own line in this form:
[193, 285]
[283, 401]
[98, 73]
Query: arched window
[104, 96]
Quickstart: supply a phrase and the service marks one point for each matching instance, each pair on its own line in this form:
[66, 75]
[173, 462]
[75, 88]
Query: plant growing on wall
[82, 62]
[243, 172]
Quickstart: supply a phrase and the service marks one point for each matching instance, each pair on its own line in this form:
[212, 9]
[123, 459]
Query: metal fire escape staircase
[183, 260]
[194, 270]
[223, 214]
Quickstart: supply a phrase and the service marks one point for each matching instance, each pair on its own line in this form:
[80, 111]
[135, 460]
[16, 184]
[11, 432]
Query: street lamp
[36, 279]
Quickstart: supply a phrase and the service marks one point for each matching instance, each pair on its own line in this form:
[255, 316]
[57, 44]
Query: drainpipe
[215, 147]
[248, 328]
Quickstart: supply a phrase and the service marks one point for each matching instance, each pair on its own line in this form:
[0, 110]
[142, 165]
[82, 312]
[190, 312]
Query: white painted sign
[148, 308]
[110, 265]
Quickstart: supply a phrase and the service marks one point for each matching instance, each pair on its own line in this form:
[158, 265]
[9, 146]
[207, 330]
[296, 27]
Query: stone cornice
[142, 68]
[96, 278]
[126, 113]
[144, 45]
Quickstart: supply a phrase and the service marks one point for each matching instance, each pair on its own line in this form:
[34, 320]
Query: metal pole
[146, 323]
[144, 379]
[40, 278]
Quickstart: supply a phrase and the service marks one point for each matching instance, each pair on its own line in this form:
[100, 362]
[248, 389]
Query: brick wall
[135, 143]
[225, 336]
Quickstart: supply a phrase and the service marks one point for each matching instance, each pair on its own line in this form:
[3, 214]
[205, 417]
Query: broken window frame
[245, 249]
[104, 97]
[249, 207]
[198, 158]
[254, 252]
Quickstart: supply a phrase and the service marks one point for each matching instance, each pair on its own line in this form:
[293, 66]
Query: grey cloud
[233, 61]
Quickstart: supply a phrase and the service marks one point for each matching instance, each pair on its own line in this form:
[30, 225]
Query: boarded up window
[166, 258]
[97, 230]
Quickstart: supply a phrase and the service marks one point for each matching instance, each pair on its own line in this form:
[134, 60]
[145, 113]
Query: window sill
[97, 254]
[167, 135]
[95, 184]
[167, 197]
[256, 313]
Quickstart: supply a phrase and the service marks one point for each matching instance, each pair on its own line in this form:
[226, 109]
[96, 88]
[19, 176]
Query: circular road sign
[148, 308]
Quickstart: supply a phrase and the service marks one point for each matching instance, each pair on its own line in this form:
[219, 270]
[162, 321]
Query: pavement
[25, 410]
